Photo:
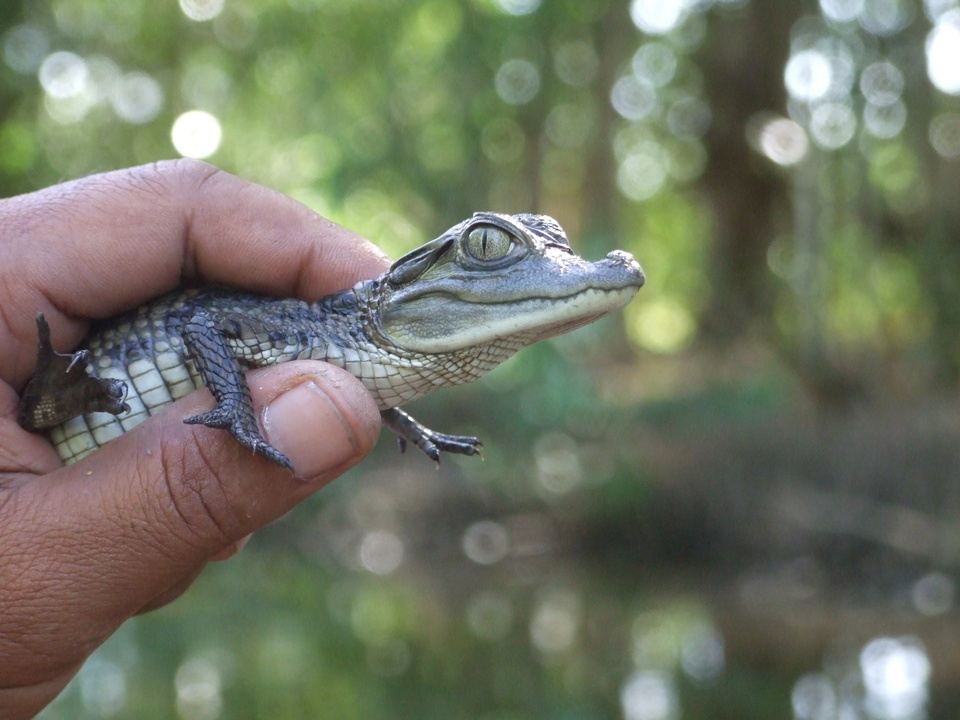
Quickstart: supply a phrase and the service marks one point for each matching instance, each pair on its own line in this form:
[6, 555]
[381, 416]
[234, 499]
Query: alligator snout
[625, 260]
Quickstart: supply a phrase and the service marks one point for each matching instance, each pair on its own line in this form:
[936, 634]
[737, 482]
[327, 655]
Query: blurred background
[739, 498]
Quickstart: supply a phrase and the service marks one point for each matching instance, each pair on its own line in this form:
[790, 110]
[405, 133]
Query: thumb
[87, 546]
[146, 510]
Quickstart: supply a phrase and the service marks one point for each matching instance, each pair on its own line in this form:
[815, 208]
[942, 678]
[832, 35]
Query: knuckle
[143, 179]
[188, 173]
[198, 504]
[169, 177]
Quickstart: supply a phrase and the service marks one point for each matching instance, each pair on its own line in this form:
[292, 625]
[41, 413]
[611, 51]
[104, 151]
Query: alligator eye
[488, 243]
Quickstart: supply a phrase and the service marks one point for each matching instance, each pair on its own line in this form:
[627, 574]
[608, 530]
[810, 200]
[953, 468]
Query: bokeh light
[201, 10]
[840, 54]
[808, 75]
[656, 63]
[633, 98]
[702, 653]
[934, 594]
[896, 673]
[559, 469]
[885, 121]
[103, 687]
[886, 17]
[486, 542]
[517, 81]
[198, 684]
[649, 695]
[137, 98]
[935, 8]
[381, 552]
[642, 172]
[662, 325]
[813, 698]
[783, 141]
[24, 47]
[657, 17]
[196, 134]
[943, 53]
[518, 7]
[945, 135]
[881, 83]
[555, 621]
[63, 75]
[68, 110]
[832, 125]
[841, 10]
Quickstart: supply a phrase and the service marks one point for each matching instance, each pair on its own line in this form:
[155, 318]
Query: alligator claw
[81, 358]
[244, 430]
[219, 417]
[430, 442]
[457, 444]
[268, 451]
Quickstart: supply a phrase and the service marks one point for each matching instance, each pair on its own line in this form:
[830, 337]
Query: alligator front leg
[223, 375]
[63, 386]
[430, 442]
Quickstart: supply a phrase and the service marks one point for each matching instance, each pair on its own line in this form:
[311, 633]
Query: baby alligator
[442, 315]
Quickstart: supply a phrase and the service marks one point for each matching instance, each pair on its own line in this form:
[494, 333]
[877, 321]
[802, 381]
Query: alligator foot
[64, 386]
[223, 375]
[430, 442]
[238, 418]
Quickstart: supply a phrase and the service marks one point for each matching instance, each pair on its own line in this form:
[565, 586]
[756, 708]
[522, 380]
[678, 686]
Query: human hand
[84, 547]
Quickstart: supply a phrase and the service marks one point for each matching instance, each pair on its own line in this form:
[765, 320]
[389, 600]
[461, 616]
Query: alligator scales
[442, 315]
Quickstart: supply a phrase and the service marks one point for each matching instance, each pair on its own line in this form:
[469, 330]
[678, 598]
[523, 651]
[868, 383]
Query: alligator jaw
[612, 300]
[541, 297]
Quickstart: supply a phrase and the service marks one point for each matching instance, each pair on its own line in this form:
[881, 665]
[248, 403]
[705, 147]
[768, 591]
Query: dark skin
[85, 547]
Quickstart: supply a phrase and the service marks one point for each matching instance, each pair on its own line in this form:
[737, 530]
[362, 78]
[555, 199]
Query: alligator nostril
[626, 260]
[623, 258]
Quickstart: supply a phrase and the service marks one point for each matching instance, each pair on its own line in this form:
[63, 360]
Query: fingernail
[307, 426]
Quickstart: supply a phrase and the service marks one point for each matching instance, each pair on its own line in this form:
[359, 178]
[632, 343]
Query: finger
[149, 508]
[93, 247]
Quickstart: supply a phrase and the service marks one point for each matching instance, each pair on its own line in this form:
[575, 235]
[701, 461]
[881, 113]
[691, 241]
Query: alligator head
[497, 277]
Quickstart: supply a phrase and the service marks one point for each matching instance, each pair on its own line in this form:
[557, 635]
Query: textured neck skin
[347, 333]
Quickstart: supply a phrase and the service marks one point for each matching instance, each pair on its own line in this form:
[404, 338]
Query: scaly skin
[445, 314]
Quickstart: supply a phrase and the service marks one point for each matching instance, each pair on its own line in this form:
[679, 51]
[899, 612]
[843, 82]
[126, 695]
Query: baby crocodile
[442, 315]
